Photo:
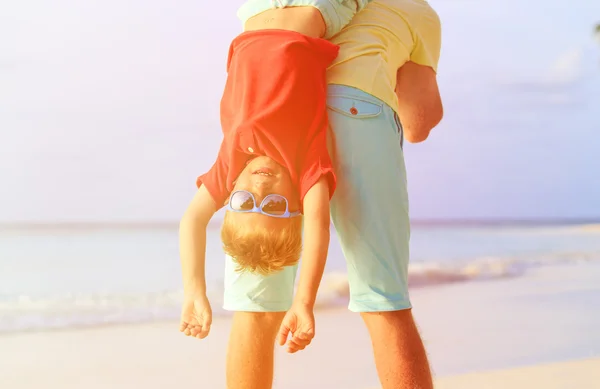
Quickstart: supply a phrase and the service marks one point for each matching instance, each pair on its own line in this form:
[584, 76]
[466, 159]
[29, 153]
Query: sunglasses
[273, 205]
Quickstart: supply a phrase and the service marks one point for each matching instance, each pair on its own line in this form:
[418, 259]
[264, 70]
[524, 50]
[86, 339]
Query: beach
[539, 330]
[110, 111]
[584, 374]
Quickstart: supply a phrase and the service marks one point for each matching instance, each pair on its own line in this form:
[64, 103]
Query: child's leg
[304, 20]
[259, 303]
[335, 13]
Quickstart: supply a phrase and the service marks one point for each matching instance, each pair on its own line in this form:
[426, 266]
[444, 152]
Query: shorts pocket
[353, 107]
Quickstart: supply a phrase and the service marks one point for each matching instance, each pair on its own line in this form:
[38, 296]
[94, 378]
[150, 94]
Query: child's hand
[196, 316]
[300, 322]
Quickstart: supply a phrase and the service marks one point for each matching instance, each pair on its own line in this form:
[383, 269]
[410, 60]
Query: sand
[548, 316]
[584, 374]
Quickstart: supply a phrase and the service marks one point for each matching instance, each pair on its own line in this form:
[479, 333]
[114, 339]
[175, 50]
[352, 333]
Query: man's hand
[196, 316]
[299, 321]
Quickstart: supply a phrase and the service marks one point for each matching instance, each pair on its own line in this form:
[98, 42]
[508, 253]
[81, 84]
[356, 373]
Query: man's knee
[399, 316]
[393, 322]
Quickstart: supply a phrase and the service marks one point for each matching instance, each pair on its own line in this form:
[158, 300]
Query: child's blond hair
[260, 250]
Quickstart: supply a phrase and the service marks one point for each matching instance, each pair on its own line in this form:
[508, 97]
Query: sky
[109, 110]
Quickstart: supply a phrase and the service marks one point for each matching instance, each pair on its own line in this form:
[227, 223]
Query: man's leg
[259, 303]
[250, 355]
[370, 213]
[399, 352]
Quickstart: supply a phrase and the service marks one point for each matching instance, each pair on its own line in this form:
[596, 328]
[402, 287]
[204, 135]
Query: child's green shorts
[336, 13]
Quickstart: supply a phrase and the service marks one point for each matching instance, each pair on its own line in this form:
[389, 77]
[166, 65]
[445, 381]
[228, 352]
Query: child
[273, 164]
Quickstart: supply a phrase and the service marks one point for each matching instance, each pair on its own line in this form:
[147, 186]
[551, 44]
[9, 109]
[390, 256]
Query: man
[384, 75]
[385, 71]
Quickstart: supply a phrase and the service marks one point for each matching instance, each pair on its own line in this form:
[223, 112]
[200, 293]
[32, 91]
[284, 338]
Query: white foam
[22, 313]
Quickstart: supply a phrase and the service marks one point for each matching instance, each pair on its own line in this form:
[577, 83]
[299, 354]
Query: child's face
[261, 177]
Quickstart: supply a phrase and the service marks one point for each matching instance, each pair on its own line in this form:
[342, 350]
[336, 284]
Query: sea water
[57, 277]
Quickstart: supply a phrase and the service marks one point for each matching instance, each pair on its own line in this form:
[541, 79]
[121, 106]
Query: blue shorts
[336, 13]
[369, 210]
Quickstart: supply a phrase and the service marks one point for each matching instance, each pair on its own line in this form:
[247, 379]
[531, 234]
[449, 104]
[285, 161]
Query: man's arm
[192, 241]
[316, 242]
[420, 105]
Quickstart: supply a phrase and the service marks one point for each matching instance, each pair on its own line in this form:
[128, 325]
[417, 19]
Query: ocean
[518, 141]
[65, 277]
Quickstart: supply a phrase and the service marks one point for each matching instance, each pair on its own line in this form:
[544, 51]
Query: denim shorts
[336, 13]
[369, 210]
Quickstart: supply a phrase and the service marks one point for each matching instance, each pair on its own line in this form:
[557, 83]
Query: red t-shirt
[274, 105]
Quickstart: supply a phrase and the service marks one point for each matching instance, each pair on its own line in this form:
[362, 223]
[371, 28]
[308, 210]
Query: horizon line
[168, 224]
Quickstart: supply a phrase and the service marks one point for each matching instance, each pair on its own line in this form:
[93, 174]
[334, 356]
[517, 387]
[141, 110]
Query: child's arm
[192, 240]
[196, 316]
[300, 320]
[316, 242]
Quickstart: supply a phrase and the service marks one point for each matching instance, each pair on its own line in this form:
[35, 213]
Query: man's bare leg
[250, 355]
[400, 356]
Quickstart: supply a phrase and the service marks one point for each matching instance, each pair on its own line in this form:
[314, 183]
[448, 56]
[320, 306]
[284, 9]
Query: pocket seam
[358, 116]
[400, 129]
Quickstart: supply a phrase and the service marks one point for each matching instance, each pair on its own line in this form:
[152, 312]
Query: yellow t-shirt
[379, 40]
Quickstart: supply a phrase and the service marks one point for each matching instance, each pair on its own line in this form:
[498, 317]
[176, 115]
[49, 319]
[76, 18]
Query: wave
[27, 313]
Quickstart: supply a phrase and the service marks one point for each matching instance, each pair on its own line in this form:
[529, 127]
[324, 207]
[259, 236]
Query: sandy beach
[110, 110]
[546, 317]
[584, 374]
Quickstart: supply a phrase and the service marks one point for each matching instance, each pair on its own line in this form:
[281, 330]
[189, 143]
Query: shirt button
[250, 149]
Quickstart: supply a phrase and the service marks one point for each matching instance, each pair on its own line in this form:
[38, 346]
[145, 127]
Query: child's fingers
[304, 335]
[294, 347]
[300, 341]
[182, 326]
[282, 336]
[206, 321]
[199, 331]
[195, 330]
[205, 329]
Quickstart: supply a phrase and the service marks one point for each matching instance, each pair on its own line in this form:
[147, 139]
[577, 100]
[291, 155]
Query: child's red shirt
[274, 105]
